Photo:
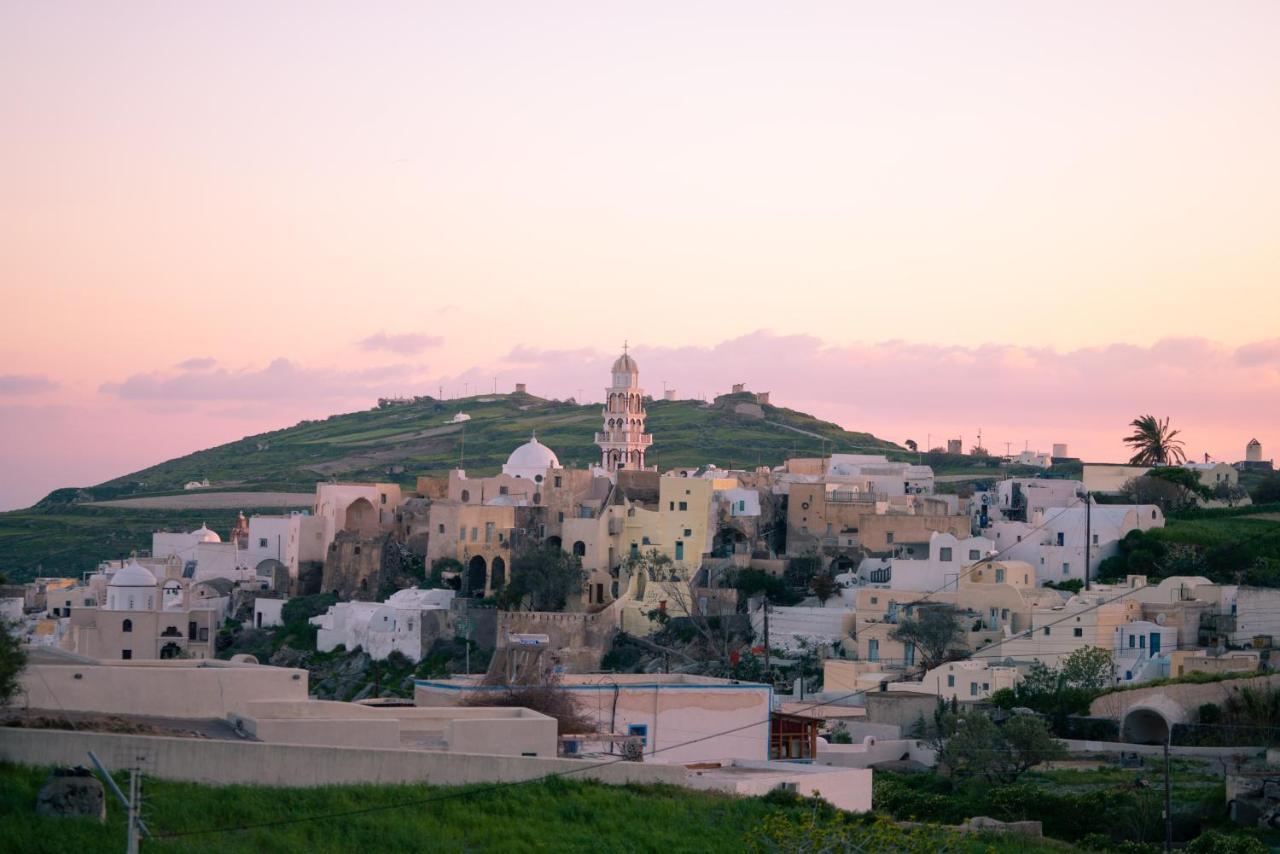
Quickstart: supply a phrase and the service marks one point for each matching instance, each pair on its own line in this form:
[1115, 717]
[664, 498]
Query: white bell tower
[623, 441]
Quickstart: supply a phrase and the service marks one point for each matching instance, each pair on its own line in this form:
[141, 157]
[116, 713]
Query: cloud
[1260, 353]
[1215, 393]
[25, 384]
[197, 364]
[280, 380]
[406, 344]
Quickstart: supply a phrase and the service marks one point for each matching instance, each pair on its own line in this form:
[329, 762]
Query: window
[1095, 539]
[672, 505]
[888, 537]
[986, 686]
[688, 532]
[488, 532]
[1019, 538]
[475, 534]
[356, 550]
[126, 626]
[502, 490]
[1046, 630]
[262, 542]
[1153, 514]
[557, 481]
[635, 550]
[641, 730]
[384, 498]
[1062, 538]
[973, 689]
[999, 575]
[974, 554]
[742, 506]
[204, 634]
[442, 529]
[560, 516]
[1077, 632]
[1133, 641]
[951, 680]
[1066, 569]
[875, 600]
[1142, 641]
[466, 496]
[944, 554]
[684, 505]
[126, 654]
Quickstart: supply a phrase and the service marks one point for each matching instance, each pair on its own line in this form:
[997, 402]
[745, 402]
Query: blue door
[1155, 644]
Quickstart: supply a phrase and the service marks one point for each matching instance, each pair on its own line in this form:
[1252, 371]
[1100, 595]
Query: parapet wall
[224, 762]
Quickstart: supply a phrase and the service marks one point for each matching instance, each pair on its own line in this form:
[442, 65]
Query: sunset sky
[917, 219]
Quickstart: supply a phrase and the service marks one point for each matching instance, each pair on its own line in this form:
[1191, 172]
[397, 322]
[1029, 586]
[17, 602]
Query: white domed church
[531, 461]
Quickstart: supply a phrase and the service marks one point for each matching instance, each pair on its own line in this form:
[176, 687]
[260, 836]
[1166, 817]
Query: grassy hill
[67, 533]
[401, 442]
[557, 815]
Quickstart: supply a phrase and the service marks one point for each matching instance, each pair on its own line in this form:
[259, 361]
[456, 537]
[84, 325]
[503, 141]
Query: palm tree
[1154, 444]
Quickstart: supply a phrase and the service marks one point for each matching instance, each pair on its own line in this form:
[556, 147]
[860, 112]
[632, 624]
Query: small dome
[625, 365]
[133, 574]
[530, 459]
[204, 535]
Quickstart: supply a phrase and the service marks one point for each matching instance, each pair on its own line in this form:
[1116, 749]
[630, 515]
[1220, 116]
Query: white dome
[625, 365]
[530, 459]
[133, 574]
[204, 535]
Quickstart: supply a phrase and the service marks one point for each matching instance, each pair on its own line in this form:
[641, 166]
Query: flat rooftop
[608, 680]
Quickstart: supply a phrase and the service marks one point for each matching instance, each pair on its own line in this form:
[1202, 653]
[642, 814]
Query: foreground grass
[559, 815]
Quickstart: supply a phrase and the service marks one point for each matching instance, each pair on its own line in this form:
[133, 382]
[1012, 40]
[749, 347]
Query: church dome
[133, 574]
[625, 365]
[204, 535]
[530, 460]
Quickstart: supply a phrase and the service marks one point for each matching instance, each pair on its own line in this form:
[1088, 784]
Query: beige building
[138, 616]
[824, 517]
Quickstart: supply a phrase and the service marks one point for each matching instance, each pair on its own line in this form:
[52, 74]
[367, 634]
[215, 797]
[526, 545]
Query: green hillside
[67, 533]
[401, 442]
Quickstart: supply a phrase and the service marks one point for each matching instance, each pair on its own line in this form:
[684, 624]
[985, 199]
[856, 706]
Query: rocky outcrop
[73, 793]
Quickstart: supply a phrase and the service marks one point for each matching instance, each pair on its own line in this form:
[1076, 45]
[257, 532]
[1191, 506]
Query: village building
[406, 622]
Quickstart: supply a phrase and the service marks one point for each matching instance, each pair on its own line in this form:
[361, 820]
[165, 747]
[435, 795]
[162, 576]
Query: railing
[625, 437]
[880, 576]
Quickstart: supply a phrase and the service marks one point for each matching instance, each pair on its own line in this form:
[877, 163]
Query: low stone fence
[216, 762]
[1080, 746]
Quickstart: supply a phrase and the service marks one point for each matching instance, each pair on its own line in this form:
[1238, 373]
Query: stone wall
[218, 762]
[353, 567]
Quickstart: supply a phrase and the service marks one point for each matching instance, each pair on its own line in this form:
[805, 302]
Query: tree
[824, 587]
[1153, 443]
[911, 445]
[1171, 488]
[12, 661]
[1088, 668]
[1268, 490]
[934, 632]
[543, 578]
[1229, 493]
[980, 748]
[1030, 742]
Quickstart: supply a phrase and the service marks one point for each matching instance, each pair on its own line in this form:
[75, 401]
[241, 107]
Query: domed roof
[133, 574]
[626, 365]
[531, 456]
[204, 535]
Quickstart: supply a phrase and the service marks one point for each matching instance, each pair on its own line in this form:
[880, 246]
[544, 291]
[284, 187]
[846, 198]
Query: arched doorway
[361, 518]
[474, 583]
[497, 574]
[554, 542]
[170, 650]
[580, 549]
[1144, 725]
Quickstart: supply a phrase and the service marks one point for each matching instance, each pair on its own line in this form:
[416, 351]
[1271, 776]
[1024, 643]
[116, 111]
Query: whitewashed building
[381, 628]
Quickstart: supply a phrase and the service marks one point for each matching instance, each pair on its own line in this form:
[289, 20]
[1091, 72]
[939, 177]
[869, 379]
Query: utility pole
[1168, 793]
[1088, 535]
[135, 799]
[766, 637]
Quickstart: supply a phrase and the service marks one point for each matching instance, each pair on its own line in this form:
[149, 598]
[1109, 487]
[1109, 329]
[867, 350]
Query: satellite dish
[1160, 618]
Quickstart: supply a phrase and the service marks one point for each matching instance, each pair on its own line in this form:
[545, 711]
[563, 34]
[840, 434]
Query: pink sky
[915, 219]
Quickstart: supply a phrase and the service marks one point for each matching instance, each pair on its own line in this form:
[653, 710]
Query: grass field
[559, 815]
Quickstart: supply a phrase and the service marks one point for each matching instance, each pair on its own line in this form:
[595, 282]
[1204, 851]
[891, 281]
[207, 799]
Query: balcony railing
[624, 437]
